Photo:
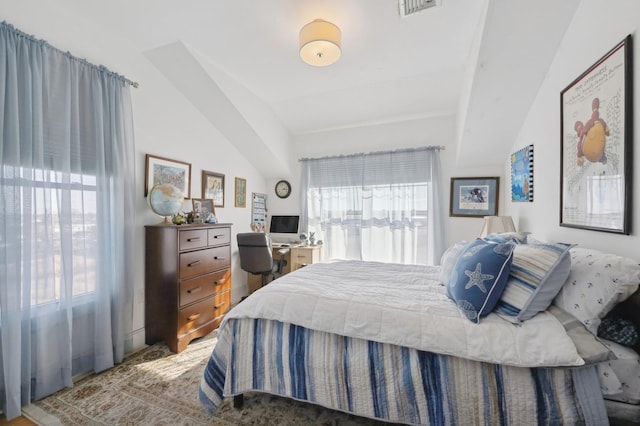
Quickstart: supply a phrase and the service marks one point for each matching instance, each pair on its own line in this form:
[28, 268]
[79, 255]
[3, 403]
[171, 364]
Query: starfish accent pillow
[479, 277]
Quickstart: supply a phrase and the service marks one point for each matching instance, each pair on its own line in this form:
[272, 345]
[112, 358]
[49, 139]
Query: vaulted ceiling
[480, 60]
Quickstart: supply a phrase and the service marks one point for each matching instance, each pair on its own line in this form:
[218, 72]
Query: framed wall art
[596, 130]
[474, 196]
[213, 187]
[522, 174]
[164, 170]
[241, 192]
[204, 207]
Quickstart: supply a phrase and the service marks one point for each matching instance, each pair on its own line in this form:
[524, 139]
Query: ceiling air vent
[409, 7]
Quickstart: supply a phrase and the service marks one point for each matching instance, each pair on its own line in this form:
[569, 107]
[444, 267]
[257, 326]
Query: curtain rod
[424, 148]
[102, 68]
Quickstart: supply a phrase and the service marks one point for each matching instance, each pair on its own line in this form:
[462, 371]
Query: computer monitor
[284, 229]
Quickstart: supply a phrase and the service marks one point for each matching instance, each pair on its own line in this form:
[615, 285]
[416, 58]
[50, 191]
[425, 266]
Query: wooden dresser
[187, 281]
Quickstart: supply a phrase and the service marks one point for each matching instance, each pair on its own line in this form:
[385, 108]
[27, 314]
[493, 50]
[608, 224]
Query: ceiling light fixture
[320, 43]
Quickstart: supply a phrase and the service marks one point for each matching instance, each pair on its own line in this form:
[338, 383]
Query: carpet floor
[157, 387]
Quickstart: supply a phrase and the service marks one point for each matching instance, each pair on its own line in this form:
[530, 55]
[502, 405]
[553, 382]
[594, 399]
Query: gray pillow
[589, 347]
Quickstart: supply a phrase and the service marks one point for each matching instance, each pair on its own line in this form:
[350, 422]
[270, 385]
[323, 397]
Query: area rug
[157, 387]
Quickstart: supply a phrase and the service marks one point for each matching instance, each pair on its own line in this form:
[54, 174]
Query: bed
[387, 342]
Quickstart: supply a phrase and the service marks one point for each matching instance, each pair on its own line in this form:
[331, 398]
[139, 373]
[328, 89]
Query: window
[377, 207]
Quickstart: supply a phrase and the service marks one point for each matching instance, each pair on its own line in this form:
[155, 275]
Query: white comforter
[404, 305]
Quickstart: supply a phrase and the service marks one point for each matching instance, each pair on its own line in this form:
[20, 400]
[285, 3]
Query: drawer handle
[192, 317]
[193, 290]
[193, 239]
[219, 306]
[219, 236]
[219, 258]
[216, 283]
[302, 257]
[195, 262]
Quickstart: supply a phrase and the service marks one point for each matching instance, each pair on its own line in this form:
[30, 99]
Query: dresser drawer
[302, 256]
[193, 239]
[220, 257]
[196, 263]
[219, 236]
[199, 262]
[202, 312]
[204, 286]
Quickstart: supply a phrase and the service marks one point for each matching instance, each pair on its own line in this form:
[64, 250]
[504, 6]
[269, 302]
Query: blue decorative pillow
[537, 274]
[479, 277]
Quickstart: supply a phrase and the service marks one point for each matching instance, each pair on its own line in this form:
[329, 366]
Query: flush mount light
[320, 43]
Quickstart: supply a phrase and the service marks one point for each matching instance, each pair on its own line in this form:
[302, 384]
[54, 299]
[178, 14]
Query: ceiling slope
[519, 41]
[188, 74]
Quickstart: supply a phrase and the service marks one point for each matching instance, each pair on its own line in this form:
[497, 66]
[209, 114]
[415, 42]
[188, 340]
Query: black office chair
[256, 256]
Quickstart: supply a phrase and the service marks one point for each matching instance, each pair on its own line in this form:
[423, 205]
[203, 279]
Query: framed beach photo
[596, 130]
[474, 196]
[213, 187]
[164, 170]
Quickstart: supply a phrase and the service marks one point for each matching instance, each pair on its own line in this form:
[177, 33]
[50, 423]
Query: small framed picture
[474, 197]
[164, 170]
[213, 187]
[241, 192]
[203, 206]
[522, 174]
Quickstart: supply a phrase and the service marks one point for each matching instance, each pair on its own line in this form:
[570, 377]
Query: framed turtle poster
[596, 120]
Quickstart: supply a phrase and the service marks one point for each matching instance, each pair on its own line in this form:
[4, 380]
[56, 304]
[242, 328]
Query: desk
[305, 255]
[298, 256]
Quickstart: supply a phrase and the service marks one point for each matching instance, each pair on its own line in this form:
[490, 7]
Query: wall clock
[283, 189]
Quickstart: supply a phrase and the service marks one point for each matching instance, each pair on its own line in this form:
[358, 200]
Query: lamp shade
[320, 43]
[497, 224]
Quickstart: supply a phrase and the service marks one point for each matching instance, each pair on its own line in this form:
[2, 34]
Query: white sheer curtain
[382, 206]
[66, 218]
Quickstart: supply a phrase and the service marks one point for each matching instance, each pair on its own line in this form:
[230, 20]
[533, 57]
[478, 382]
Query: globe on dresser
[165, 200]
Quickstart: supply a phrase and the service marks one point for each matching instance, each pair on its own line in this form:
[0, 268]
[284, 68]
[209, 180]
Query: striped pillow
[537, 275]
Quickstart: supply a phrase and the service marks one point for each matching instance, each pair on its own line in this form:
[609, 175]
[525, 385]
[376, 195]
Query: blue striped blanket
[391, 382]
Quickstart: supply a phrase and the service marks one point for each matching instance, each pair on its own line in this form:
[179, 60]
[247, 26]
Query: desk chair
[256, 256]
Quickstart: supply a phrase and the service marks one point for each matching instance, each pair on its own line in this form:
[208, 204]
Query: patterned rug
[157, 387]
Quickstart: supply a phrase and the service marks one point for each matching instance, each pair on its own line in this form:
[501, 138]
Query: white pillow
[448, 260]
[597, 282]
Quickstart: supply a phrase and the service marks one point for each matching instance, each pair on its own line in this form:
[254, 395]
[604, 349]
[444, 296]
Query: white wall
[596, 28]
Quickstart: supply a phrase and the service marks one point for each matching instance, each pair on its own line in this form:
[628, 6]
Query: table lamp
[496, 224]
